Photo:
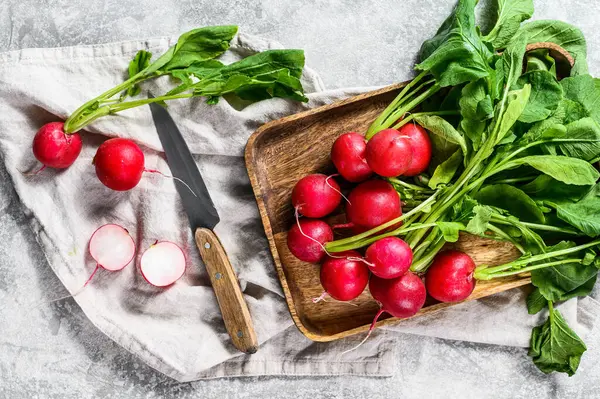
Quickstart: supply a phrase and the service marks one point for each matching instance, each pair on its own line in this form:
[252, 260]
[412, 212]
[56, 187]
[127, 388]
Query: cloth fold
[179, 330]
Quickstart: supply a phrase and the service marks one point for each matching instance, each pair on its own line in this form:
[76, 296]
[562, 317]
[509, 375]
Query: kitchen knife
[203, 218]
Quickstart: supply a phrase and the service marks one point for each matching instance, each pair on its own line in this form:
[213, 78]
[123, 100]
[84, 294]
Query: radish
[162, 264]
[421, 148]
[389, 153]
[389, 257]
[450, 276]
[316, 195]
[112, 247]
[119, 164]
[371, 204]
[55, 148]
[348, 156]
[344, 277]
[401, 297]
[306, 239]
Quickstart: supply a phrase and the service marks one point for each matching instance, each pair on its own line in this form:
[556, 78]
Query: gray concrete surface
[53, 351]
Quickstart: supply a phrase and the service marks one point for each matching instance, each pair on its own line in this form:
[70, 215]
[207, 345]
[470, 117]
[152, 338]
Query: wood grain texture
[277, 156]
[227, 289]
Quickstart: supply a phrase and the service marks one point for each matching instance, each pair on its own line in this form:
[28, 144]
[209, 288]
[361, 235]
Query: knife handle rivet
[207, 245]
[218, 276]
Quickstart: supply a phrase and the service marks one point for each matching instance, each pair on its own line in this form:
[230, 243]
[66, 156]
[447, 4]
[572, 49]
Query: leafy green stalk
[395, 113]
[410, 117]
[274, 73]
[555, 346]
[359, 240]
[484, 272]
[198, 45]
[483, 275]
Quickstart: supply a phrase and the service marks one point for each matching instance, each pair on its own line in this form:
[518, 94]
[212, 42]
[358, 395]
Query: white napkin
[179, 330]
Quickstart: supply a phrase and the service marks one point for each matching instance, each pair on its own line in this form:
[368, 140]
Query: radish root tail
[33, 173]
[171, 177]
[76, 292]
[335, 189]
[368, 334]
[355, 259]
[342, 226]
[320, 298]
[297, 215]
[91, 276]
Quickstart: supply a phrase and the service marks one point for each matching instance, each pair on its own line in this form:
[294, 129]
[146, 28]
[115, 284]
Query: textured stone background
[53, 351]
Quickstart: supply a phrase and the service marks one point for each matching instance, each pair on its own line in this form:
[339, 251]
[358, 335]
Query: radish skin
[450, 276]
[401, 297]
[306, 239]
[162, 264]
[389, 153]
[119, 164]
[389, 257]
[371, 204]
[344, 277]
[348, 156]
[316, 195]
[421, 148]
[54, 148]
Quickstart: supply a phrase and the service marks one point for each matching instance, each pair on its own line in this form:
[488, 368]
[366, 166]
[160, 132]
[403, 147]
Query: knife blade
[203, 217]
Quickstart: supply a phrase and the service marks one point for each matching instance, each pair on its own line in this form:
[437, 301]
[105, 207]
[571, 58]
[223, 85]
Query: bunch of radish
[385, 265]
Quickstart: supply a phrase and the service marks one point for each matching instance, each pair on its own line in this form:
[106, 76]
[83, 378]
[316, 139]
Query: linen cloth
[179, 330]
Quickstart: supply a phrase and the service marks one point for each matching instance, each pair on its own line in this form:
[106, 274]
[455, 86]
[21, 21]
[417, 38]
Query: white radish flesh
[162, 264]
[112, 247]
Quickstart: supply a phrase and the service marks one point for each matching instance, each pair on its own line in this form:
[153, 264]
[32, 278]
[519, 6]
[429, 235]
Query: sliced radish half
[163, 263]
[112, 247]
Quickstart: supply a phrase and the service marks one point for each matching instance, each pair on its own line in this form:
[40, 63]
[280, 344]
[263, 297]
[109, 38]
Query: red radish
[421, 148]
[345, 276]
[389, 257]
[316, 195]
[450, 276]
[119, 164]
[55, 148]
[389, 153]
[112, 247]
[348, 156]
[306, 239]
[372, 203]
[162, 264]
[401, 297]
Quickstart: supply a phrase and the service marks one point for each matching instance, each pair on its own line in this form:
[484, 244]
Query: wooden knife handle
[227, 289]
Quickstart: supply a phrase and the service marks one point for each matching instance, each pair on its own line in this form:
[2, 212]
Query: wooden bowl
[277, 156]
